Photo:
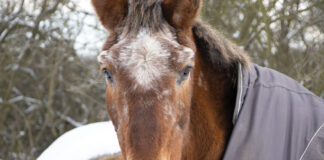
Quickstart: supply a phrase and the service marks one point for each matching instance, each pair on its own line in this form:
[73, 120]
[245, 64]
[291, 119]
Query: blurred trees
[46, 88]
[287, 35]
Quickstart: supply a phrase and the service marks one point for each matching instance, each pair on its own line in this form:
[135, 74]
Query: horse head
[148, 60]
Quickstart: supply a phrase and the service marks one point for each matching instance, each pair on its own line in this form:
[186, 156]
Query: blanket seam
[309, 143]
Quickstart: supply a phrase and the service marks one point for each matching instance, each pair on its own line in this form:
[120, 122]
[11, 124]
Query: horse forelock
[143, 14]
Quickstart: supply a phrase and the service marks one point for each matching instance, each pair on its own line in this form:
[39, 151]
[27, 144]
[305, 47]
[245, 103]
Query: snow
[83, 143]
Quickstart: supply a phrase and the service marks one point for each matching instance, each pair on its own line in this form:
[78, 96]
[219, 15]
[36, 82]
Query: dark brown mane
[217, 49]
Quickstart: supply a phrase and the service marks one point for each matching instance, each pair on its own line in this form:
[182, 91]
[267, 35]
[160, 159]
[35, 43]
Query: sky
[89, 37]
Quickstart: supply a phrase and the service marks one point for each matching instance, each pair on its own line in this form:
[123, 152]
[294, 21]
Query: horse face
[147, 61]
[148, 93]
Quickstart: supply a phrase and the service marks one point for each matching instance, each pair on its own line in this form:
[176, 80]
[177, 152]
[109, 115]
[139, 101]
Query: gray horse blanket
[275, 118]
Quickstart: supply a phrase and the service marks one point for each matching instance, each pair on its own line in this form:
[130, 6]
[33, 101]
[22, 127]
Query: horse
[168, 96]
[172, 82]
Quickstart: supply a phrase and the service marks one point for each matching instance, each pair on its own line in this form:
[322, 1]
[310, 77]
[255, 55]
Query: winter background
[50, 82]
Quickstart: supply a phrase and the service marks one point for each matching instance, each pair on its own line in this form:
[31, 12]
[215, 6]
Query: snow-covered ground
[83, 143]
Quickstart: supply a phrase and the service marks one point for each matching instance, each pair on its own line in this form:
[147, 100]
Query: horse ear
[181, 14]
[110, 12]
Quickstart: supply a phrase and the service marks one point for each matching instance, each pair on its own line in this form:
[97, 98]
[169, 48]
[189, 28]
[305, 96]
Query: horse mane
[218, 50]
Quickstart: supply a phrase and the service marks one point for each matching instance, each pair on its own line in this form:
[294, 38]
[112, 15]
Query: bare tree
[286, 35]
[46, 88]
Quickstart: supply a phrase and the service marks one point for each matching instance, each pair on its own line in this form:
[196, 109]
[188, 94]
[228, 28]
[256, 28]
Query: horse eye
[186, 71]
[184, 74]
[108, 75]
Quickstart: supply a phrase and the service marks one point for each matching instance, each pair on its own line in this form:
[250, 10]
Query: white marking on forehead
[145, 59]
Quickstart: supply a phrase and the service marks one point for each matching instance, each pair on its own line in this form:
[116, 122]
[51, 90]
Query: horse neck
[211, 111]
